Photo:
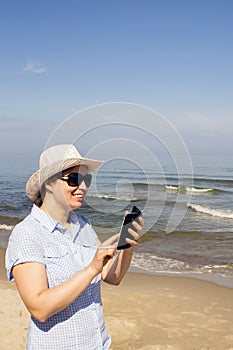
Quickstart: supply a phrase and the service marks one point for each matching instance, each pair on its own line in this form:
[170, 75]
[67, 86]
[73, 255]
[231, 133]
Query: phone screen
[127, 223]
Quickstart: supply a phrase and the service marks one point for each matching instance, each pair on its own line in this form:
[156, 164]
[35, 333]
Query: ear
[49, 185]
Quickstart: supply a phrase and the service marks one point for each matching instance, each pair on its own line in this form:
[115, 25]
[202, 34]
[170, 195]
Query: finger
[111, 251]
[137, 227]
[132, 242]
[107, 249]
[141, 221]
[134, 234]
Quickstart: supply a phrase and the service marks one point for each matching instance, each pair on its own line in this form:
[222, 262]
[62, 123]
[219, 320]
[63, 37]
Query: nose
[83, 186]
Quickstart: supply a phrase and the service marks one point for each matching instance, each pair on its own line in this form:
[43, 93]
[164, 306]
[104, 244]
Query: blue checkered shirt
[39, 238]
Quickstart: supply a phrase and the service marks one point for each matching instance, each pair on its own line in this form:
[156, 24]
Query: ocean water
[188, 217]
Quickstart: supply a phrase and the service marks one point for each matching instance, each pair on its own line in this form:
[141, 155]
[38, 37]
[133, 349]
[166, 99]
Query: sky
[172, 56]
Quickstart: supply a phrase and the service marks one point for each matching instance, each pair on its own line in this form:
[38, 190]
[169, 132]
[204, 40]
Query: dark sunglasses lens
[73, 180]
[87, 179]
[76, 179]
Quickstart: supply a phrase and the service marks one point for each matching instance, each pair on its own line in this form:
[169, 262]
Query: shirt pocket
[86, 252]
[60, 264]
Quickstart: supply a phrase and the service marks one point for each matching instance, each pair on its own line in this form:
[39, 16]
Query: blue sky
[174, 56]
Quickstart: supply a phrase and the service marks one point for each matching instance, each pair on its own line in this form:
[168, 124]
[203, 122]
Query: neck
[56, 211]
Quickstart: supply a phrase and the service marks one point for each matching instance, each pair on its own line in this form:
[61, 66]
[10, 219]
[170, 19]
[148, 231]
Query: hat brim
[37, 179]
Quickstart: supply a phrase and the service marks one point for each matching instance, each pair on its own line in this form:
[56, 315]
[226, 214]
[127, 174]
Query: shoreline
[145, 312]
[219, 280]
[226, 282]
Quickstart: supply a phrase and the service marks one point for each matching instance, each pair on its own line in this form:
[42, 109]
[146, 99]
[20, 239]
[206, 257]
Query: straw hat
[54, 160]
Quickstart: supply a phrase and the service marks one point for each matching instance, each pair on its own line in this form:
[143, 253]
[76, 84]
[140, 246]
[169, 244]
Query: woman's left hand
[136, 233]
[115, 269]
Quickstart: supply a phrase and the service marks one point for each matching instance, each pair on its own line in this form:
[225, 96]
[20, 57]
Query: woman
[57, 261]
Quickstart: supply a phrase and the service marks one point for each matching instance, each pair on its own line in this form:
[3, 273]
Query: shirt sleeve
[23, 247]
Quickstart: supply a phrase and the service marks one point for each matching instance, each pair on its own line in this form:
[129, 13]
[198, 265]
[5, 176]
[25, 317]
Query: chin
[76, 205]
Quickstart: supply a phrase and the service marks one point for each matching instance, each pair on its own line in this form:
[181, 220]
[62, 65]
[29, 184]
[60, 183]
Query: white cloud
[198, 123]
[35, 68]
[206, 133]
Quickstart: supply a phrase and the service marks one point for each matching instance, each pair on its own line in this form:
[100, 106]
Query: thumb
[112, 240]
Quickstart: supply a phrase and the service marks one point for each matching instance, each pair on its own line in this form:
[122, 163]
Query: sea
[188, 217]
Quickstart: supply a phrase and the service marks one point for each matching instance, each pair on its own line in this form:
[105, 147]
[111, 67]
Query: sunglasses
[75, 179]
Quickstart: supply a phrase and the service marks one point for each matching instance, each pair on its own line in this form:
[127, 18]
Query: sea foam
[198, 190]
[6, 227]
[114, 197]
[226, 214]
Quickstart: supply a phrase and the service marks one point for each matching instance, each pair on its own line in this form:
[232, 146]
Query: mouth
[78, 195]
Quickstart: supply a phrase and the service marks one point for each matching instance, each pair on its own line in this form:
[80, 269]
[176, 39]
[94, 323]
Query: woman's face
[68, 196]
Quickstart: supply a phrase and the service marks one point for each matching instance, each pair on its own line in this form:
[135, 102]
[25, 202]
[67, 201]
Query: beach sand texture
[145, 312]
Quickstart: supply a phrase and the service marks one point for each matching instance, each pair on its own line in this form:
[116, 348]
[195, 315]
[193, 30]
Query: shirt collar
[43, 218]
[73, 218]
[50, 223]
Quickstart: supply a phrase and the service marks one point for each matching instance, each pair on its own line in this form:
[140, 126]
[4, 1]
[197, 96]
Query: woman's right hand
[103, 254]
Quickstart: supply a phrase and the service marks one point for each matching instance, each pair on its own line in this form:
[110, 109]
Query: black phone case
[127, 223]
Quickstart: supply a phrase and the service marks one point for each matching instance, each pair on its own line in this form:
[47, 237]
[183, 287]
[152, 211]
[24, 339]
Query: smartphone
[126, 224]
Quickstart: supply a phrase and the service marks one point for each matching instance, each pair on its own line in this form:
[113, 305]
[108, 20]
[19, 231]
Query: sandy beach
[145, 312]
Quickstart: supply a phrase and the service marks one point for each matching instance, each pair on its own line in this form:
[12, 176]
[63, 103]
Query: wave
[226, 214]
[213, 179]
[198, 190]
[7, 207]
[181, 187]
[188, 189]
[172, 188]
[5, 227]
[115, 197]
